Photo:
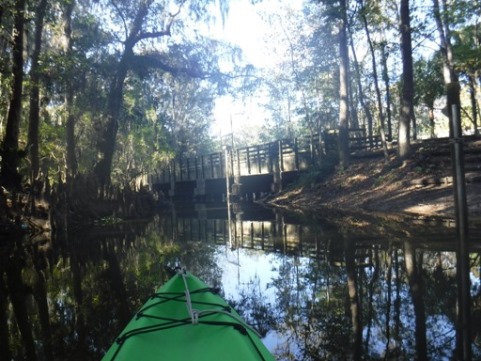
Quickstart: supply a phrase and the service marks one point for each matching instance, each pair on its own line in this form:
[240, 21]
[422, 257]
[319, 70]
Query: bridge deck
[275, 163]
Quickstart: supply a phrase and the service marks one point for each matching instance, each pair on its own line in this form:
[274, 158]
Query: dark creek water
[337, 287]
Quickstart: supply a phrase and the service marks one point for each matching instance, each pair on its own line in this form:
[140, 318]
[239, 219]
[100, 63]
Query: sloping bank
[420, 187]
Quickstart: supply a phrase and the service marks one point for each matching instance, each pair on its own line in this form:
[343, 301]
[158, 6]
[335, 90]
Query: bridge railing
[257, 159]
[283, 155]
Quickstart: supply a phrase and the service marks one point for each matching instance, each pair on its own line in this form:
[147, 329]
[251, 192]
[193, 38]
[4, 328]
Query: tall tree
[443, 18]
[449, 72]
[381, 125]
[137, 33]
[387, 86]
[361, 96]
[106, 146]
[406, 113]
[467, 50]
[343, 87]
[34, 117]
[72, 163]
[9, 175]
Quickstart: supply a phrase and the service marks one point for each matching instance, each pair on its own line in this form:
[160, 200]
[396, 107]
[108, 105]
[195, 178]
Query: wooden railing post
[223, 172]
[196, 168]
[238, 163]
[180, 169]
[211, 159]
[281, 156]
[232, 161]
[296, 154]
[259, 159]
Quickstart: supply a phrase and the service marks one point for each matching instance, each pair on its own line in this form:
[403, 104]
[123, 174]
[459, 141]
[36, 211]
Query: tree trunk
[432, 124]
[34, 117]
[362, 100]
[405, 116]
[72, 165]
[103, 168]
[343, 89]
[354, 119]
[106, 146]
[449, 74]
[381, 125]
[9, 176]
[474, 105]
[463, 337]
[5, 353]
[385, 78]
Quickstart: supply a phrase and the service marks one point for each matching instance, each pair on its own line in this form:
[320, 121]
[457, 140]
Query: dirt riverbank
[420, 187]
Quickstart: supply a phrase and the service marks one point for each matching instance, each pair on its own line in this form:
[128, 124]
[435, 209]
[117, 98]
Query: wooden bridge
[247, 173]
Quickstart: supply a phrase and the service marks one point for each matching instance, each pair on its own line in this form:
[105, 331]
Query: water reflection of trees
[397, 303]
[68, 298]
[341, 291]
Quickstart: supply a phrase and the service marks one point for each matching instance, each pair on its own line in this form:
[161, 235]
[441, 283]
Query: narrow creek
[335, 286]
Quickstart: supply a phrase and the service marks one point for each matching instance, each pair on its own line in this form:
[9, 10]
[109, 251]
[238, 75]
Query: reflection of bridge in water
[268, 232]
[274, 232]
[250, 171]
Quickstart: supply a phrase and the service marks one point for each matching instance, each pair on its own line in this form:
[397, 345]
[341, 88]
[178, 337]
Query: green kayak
[186, 320]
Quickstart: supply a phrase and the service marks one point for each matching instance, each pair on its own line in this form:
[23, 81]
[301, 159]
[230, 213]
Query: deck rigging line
[195, 316]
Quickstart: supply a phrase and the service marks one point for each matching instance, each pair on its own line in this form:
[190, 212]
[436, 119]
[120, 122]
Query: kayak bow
[187, 320]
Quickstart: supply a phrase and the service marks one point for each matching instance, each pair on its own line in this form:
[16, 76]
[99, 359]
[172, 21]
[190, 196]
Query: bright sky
[245, 28]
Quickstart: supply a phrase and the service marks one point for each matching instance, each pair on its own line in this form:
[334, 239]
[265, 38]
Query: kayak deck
[187, 320]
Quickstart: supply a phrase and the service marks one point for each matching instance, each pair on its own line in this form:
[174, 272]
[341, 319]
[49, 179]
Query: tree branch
[166, 31]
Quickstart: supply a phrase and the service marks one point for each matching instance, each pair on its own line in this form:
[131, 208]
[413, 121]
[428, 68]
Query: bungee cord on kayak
[202, 307]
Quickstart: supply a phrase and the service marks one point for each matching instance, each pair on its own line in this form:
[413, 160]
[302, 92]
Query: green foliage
[467, 49]
[173, 78]
[429, 83]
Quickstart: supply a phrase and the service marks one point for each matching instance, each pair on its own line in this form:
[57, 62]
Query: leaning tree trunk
[108, 139]
[404, 145]
[9, 176]
[103, 168]
[343, 89]
[362, 100]
[382, 131]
